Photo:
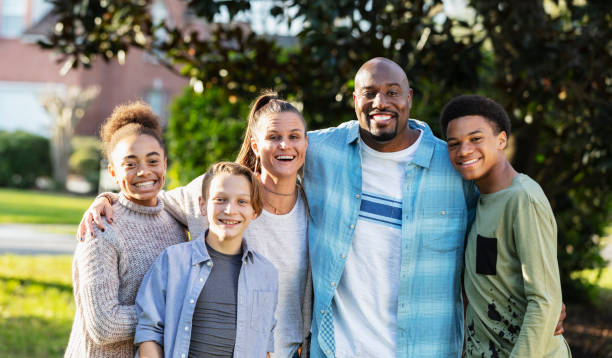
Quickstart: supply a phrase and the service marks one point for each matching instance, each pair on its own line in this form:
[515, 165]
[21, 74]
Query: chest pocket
[443, 229]
[262, 310]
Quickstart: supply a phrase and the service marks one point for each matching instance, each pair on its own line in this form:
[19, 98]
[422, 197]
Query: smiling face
[280, 143]
[228, 208]
[382, 104]
[138, 165]
[475, 150]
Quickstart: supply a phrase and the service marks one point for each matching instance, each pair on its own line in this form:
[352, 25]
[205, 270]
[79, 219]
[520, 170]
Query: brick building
[27, 71]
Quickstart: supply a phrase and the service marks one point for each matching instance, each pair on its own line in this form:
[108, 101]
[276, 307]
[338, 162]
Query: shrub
[85, 158]
[24, 157]
[203, 129]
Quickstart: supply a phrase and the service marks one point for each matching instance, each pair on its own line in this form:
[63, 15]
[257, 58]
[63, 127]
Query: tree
[552, 70]
[66, 109]
[203, 129]
[546, 61]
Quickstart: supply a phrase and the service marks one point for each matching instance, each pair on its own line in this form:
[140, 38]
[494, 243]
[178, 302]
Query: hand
[100, 207]
[559, 329]
[150, 349]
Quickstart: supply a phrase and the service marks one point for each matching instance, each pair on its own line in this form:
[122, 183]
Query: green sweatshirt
[512, 277]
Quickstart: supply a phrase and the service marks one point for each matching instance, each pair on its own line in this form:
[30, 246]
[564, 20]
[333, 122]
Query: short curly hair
[475, 105]
[134, 118]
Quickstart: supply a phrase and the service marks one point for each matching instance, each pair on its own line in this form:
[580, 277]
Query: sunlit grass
[26, 206]
[36, 305]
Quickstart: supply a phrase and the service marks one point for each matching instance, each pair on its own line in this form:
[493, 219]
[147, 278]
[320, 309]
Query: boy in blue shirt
[212, 296]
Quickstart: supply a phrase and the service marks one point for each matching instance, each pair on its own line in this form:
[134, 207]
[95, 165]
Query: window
[12, 20]
[40, 8]
[156, 98]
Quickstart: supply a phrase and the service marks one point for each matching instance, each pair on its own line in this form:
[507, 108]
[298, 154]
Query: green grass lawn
[36, 305]
[26, 206]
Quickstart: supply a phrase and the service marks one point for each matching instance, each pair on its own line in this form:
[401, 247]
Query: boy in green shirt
[511, 274]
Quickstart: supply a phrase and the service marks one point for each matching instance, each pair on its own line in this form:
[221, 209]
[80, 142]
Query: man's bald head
[378, 63]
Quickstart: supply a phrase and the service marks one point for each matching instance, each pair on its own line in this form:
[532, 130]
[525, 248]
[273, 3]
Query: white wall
[20, 107]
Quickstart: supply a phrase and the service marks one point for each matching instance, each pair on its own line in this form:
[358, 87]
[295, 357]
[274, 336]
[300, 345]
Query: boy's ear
[202, 204]
[502, 140]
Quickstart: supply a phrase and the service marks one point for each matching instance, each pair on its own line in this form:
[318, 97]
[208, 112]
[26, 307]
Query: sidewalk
[29, 239]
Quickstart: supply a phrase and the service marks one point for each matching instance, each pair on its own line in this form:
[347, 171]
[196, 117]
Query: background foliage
[85, 158]
[24, 157]
[203, 130]
[547, 61]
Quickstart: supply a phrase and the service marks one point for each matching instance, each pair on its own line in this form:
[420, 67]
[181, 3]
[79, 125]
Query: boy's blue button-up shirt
[437, 207]
[169, 292]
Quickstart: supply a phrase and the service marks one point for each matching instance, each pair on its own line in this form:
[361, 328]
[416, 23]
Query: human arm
[102, 206]
[535, 237]
[96, 281]
[151, 304]
[181, 202]
[150, 349]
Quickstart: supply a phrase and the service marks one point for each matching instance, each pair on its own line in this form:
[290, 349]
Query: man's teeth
[381, 117]
[284, 157]
[144, 183]
[471, 161]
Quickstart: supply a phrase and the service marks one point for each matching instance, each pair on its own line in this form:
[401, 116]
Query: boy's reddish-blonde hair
[234, 169]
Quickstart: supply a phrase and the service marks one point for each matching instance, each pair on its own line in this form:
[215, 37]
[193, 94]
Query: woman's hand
[100, 207]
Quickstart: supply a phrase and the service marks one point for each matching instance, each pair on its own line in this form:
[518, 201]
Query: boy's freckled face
[473, 147]
[228, 207]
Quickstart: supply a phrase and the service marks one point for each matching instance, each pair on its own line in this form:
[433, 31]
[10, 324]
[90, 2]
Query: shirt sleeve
[536, 243]
[151, 303]
[181, 201]
[471, 200]
[96, 277]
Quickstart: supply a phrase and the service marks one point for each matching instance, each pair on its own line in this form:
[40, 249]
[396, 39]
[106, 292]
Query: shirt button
[191, 301]
[352, 226]
[183, 355]
[328, 351]
[442, 212]
[357, 196]
[322, 311]
[201, 279]
[333, 284]
[342, 256]
[186, 328]
[209, 264]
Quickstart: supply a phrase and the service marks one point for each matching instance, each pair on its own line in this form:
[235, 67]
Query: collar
[147, 210]
[199, 253]
[423, 154]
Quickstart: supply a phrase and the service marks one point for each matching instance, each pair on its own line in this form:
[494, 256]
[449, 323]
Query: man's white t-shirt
[365, 303]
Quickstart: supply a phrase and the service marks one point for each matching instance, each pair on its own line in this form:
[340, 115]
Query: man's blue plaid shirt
[437, 208]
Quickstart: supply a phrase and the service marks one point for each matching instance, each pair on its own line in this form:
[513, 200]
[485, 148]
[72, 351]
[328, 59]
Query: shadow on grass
[33, 337]
[44, 284]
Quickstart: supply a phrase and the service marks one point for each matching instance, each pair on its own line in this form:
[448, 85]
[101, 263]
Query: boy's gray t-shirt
[214, 319]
